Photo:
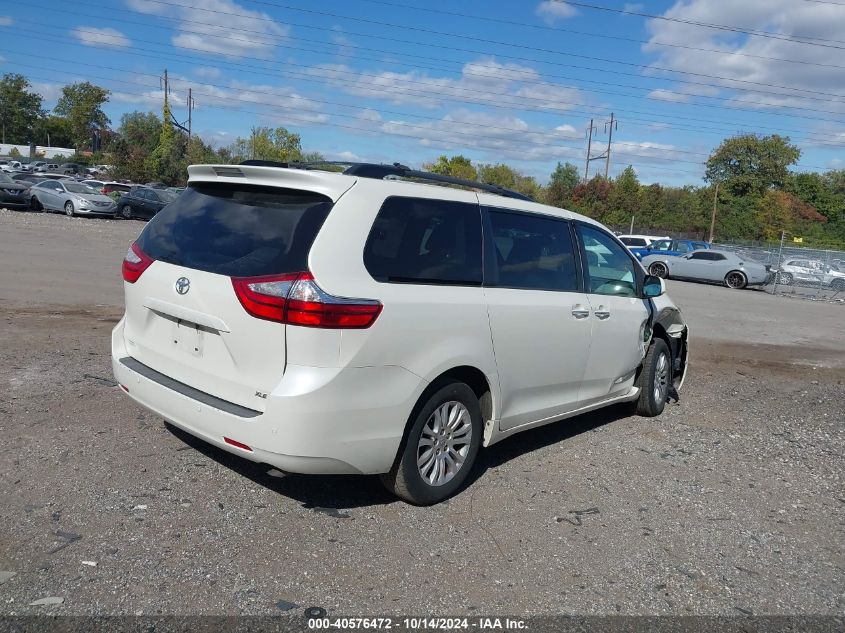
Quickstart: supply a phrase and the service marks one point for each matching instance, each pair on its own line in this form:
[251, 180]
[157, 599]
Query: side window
[700, 256]
[419, 240]
[532, 252]
[662, 245]
[717, 257]
[683, 247]
[610, 270]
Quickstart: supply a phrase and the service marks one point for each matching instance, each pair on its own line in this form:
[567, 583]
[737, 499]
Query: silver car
[811, 272]
[71, 197]
[710, 265]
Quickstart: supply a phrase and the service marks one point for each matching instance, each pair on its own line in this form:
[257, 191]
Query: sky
[514, 81]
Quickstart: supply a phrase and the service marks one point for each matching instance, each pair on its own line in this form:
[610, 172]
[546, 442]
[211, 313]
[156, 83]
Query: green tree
[20, 109]
[624, 199]
[135, 140]
[266, 143]
[167, 161]
[562, 183]
[82, 105]
[54, 131]
[750, 164]
[456, 166]
[509, 178]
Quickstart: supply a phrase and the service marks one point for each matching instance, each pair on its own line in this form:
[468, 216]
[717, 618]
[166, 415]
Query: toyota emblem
[183, 284]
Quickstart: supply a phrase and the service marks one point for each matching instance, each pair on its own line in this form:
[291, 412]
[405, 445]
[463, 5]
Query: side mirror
[653, 287]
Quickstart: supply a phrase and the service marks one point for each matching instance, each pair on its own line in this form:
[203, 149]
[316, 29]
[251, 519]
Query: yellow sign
[798, 240]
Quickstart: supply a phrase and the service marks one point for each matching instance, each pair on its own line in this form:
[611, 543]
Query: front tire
[784, 279]
[736, 280]
[655, 379]
[34, 204]
[838, 284]
[440, 448]
[69, 210]
[126, 212]
[659, 269]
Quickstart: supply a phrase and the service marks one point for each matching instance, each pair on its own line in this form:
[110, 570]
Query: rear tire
[440, 447]
[659, 269]
[69, 210]
[736, 280]
[126, 212]
[655, 379]
[34, 205]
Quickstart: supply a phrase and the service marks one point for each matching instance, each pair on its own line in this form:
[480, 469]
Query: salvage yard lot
[732, 502]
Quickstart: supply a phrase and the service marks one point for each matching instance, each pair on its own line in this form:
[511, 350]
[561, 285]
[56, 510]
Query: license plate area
[187, 337]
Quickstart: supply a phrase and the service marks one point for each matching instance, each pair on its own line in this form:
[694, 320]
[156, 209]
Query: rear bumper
[317, 421]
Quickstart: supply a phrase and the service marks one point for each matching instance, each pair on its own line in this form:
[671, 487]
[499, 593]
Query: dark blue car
[672, 248]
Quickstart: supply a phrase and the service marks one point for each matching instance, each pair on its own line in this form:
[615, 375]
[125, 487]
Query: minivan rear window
[237, 230]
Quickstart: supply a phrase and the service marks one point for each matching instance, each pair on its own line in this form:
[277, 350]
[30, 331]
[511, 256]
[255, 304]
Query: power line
[463, 36]
[797, 39]
[434, 134]
[275, 41]
[601, 35]
[559, 143]
[490, 103]
[494, 104]
[437, 86]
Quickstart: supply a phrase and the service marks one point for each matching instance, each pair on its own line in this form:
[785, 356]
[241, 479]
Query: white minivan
[371, 322]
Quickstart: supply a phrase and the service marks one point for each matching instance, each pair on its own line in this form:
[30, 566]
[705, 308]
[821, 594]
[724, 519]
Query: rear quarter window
[237, 230]
[426, 241]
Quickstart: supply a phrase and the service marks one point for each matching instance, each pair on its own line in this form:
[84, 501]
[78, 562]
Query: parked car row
[813, 272]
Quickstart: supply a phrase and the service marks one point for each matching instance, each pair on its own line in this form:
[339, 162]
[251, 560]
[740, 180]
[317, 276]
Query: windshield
[4, 178]
[78, 187]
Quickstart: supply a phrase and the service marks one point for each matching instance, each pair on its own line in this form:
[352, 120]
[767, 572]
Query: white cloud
[220, 27]
[807, 19]
[5, 20]
[105, 37]
[207, 72]
[668, 95]
[481, 81]
[553, 10]
[49, 91]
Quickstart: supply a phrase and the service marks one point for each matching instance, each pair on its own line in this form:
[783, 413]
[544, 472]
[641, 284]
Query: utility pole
[589, 147]
[190, 108]
[609, 126]
[713, 215]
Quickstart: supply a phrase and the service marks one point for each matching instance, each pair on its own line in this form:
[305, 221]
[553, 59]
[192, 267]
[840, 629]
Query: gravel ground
[730, 503]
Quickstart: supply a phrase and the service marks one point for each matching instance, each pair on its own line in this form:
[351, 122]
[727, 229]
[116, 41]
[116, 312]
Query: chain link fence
[801, 272]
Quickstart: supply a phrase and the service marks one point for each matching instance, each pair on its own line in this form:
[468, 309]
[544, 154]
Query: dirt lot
[732, 502]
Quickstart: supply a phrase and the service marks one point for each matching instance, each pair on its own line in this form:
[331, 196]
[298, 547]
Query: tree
[167, 161]
[136, 138]
[54, 131]
[591, 197]
[20, 109]
[507, 177]
[82, 105]
[456, 166]
[562, 183]
[267, 144]
[751, 164]
[624, 199]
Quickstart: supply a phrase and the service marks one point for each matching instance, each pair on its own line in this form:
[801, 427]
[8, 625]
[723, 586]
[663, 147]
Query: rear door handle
[580, 313]
[601, 313]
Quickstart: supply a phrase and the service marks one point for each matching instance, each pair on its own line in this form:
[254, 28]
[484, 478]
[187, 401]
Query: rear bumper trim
[195, 394]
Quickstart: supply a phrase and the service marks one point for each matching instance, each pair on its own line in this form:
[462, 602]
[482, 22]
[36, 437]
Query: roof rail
[396, 170]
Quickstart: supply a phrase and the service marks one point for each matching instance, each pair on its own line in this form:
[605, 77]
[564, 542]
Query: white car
[640, 241]
[361, 322]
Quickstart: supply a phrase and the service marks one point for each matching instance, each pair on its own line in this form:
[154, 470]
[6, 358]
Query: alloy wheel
[444, 443]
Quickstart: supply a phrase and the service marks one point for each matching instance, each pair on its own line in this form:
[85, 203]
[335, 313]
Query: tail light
[296, 299]
[135, 263]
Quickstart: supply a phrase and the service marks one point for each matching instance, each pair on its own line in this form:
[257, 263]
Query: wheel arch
[476, 379]
[669, 326]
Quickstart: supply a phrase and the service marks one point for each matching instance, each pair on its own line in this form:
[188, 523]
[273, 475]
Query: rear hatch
[183, 316]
